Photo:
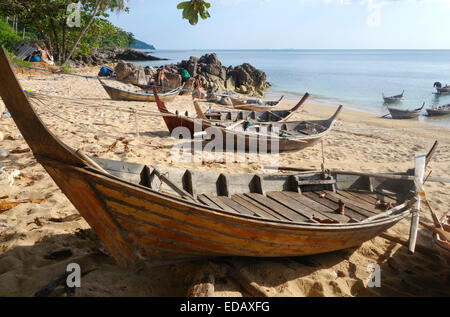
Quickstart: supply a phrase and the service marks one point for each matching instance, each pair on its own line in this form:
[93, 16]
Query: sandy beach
[45, 221]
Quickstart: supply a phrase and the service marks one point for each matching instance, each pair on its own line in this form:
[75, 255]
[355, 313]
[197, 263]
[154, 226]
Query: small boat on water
[442, 89]
[439, 111]
[393, 99]
[405, 114]
[258, 116]
[440, 244]
[286, 136]
[152, 215]
[122, 94]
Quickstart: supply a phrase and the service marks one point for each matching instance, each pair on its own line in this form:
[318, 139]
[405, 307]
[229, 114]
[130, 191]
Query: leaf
[183, 5]
[6, 205]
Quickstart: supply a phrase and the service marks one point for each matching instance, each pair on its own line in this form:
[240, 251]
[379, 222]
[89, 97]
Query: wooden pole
[23, 34]
[419, 172]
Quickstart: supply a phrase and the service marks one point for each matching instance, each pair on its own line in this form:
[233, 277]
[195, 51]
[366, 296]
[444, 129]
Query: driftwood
[250, 287]
[202, 285]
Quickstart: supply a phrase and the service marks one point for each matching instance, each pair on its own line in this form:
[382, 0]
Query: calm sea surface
[354, 78]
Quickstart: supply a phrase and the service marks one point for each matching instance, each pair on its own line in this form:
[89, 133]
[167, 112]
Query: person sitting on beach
[162, 76]
[197, 87]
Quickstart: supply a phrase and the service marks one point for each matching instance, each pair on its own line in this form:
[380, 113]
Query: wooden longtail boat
[405, 114]
[393, 99]
[195, 215]
[439, 243]
[258, 116]
[128, 95]
[442, 90]
[439, 111]
[254, 136]
[253, 105]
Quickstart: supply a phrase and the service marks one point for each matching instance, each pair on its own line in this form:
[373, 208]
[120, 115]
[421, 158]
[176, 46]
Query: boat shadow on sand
[40, 269]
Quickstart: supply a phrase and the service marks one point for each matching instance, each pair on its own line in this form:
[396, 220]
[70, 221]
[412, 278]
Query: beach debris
[19, 151]
[8, 177]
[112, 147]
[126, 148]
[341, 208]
[38, 222]
[48, 289]
[72, 217]
[4, 153]
[7, 205]
[60, 254]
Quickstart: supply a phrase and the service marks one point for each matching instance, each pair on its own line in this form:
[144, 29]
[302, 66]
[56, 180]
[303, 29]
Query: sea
[354, 78]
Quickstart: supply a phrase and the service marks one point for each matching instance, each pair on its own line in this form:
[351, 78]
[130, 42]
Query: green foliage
[15, 60]
[7, 34]
[193, 9]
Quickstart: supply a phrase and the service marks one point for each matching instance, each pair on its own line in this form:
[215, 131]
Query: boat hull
[139, 225]
[120, 94]
[401, 114]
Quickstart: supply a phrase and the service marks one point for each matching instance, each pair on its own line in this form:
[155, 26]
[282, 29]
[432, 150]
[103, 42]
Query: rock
[133, 55]
[230, 84]
[174, 80]
[150, 71]
[188, 86]
[243, 89]
[131, 73]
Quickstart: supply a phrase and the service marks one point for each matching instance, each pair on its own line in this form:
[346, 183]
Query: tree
[99, 5]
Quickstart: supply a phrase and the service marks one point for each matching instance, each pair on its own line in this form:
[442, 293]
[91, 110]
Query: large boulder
[174, 80]
[131, 73]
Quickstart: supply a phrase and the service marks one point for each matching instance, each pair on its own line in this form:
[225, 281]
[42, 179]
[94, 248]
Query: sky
[292, 24]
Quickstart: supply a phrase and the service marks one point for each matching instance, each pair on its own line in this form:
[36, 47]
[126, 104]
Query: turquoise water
[354, 78]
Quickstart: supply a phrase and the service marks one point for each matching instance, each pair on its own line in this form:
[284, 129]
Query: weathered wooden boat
[254, 104]
[393, 99]
[122, 94]
[259, 116]
[440, 244]
[442, 89]
[405, 114]
[439, 111]
[252, 136]
[150, 215]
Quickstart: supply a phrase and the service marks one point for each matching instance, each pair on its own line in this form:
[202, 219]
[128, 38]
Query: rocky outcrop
[105, 56]
[244, 79]
[133, 55]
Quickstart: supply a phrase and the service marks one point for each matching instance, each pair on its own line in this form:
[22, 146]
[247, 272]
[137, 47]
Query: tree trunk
[97, 7]
[55, 36]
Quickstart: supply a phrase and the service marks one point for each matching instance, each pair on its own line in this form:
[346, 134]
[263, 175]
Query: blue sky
[298, 24]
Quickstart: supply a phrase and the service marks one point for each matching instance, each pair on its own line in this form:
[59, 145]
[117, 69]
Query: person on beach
[162, 76]
[197, 87]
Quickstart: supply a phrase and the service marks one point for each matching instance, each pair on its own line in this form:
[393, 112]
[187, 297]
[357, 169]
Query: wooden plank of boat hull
[333, 205]
[253, 207]
[262, 207]
[273, 205]
[359, 202]
[315, 206]
[204, 200]
[238, 207]
[370, 197]
[220, 203]
[292, 204]
[348, 204]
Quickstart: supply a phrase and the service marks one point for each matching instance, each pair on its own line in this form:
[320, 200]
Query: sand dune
[46, 221]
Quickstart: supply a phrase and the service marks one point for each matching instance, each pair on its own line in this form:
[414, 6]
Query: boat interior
[306, 197]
